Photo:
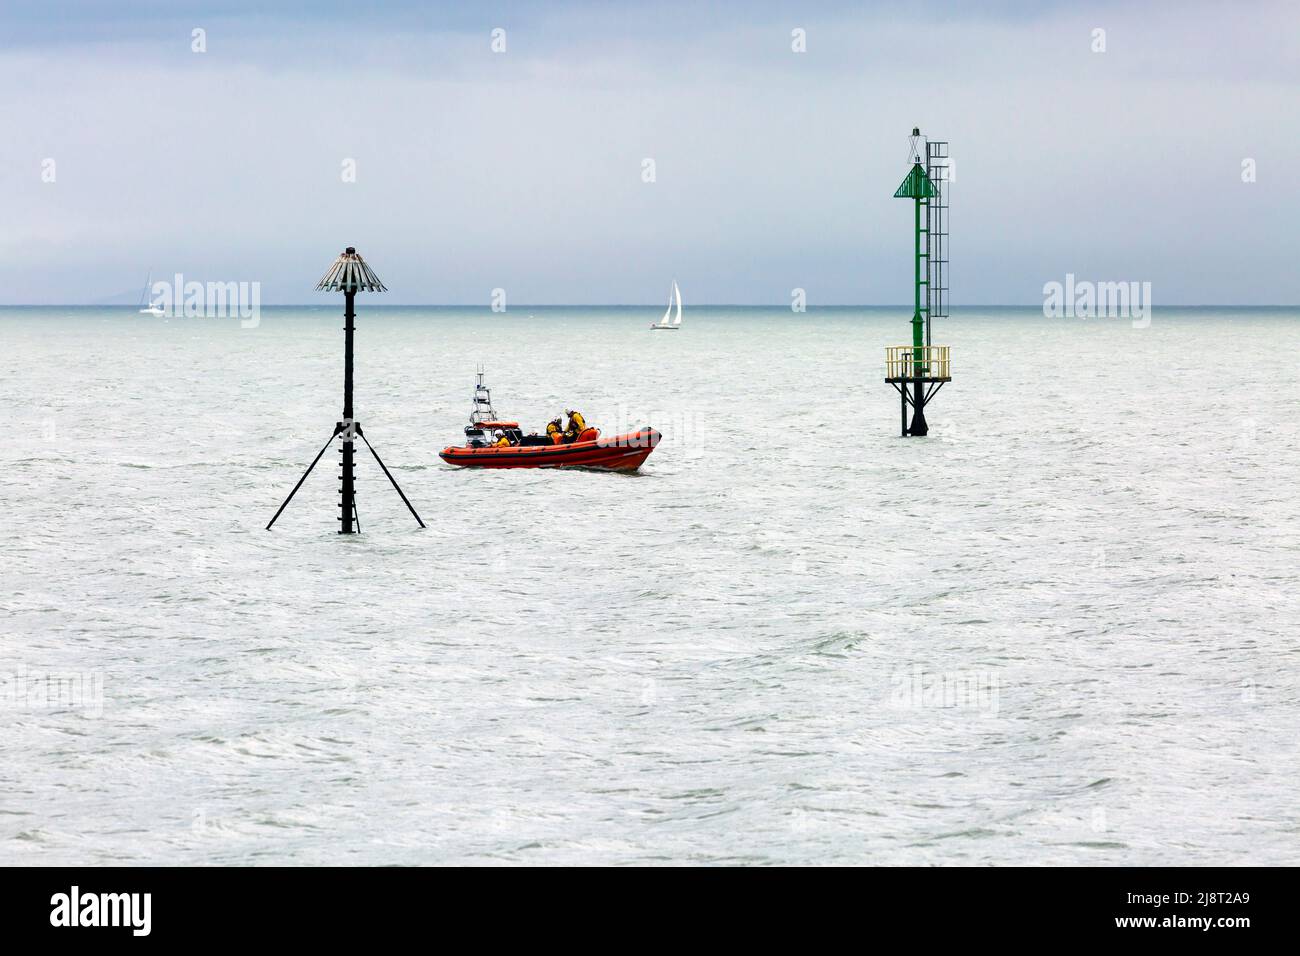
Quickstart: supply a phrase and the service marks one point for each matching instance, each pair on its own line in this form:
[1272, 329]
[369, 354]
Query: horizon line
[642, 305]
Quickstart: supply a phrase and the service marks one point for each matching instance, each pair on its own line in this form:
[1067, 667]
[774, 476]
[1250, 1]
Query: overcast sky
[523, 170]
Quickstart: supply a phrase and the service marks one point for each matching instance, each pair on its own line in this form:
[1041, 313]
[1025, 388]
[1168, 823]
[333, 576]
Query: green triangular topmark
[916, 186]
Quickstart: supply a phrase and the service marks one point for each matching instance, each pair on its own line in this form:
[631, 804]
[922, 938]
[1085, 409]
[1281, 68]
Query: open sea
[1064, 628]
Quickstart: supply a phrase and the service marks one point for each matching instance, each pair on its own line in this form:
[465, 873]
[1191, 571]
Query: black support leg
[302, 479]
[390, 477]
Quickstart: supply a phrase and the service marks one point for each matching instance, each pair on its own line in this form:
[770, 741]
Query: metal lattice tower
[483, 411]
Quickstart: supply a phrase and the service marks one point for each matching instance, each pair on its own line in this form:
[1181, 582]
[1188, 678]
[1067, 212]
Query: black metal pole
[347, 489]
[349, 317]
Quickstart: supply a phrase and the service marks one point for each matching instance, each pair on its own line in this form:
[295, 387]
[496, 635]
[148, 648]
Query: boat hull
[620, 453]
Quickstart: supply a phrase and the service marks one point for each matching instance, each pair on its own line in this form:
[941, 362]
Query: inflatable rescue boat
[493, 443]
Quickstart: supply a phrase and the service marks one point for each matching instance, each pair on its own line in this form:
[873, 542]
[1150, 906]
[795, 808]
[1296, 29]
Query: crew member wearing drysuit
[577, 425]
[553, 431]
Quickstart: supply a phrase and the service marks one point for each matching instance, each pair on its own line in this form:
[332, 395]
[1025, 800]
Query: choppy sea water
[1062, 629]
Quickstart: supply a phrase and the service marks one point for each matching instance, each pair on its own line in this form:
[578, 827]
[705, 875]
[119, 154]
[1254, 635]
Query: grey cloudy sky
[522, 170]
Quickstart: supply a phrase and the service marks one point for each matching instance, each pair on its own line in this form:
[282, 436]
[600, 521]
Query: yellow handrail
[905, 361]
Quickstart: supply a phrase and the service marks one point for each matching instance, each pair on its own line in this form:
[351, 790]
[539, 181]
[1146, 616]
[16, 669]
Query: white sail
[671, 321]
[147, 305]
[668, 311]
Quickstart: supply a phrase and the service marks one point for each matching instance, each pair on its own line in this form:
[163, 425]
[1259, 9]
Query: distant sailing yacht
[152, 308]
[676, 322]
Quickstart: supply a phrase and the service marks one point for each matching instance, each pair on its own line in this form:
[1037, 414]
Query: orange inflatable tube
[620, 453]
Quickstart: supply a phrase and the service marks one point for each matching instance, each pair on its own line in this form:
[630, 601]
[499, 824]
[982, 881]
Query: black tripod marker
[349, 274]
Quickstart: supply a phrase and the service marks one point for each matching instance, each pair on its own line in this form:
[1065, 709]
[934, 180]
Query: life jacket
[577, 424]
[504, 442]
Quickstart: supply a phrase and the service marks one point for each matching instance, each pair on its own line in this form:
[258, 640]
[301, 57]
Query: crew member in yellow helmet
[577, 425]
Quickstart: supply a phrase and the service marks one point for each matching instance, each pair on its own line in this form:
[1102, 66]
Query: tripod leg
[390, 476]
[301, 480]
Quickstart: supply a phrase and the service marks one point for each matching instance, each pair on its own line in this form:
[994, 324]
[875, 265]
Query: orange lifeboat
[622, 453]
[493, 443]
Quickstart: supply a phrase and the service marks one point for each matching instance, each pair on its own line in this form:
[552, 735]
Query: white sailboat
[152, 308]
[676, 320]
